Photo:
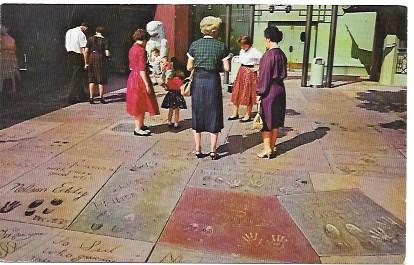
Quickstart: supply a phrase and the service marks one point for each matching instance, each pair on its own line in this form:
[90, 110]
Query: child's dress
[174, 99]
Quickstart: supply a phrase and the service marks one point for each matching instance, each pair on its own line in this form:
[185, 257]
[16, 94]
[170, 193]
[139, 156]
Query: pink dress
[138, 100]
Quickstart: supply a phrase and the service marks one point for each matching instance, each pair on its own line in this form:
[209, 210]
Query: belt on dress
[246, 65]
[200, 69]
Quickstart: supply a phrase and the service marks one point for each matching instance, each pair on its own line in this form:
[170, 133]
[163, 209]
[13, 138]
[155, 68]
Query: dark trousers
[76, 77]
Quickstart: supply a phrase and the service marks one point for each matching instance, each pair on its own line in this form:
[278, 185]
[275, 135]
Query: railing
[401, 61]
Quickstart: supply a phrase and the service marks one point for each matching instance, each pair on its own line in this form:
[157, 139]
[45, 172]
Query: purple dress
[273, 69]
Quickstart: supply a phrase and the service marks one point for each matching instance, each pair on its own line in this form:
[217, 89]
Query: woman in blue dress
[207, 57]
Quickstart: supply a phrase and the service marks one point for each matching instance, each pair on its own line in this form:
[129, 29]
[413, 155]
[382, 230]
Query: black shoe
[91, 101]
[199, 154]
[214, 156]
[232, 118]
[245, 120]
[141, 133]
[145, 128]
[102, 100]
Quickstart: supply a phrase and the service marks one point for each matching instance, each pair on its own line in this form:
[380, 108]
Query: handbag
[258, 121]
[186, 86]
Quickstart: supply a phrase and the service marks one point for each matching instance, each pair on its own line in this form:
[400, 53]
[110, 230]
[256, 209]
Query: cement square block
[70, 246]
[18, 238]
[138, 200]
[346, 223]
[244, 224]
[55, 193]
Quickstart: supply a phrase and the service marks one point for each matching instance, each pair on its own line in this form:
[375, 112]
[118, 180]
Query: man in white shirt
[75, 43]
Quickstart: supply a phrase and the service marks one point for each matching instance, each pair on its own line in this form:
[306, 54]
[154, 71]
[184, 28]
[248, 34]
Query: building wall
[39, 30]
[353, 55]
[176, 22]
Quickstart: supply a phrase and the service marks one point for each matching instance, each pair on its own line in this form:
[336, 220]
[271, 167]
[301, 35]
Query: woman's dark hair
[140, 34]
[244, 39]
[100, 29]
[273, 34]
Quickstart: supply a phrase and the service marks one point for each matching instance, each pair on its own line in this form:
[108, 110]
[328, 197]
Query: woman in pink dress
[140, 93]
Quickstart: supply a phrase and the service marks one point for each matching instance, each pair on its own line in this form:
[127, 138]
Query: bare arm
[226, 65]
[85, 55]
[190, 64]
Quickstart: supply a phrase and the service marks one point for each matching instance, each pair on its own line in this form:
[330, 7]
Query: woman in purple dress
[271, 90]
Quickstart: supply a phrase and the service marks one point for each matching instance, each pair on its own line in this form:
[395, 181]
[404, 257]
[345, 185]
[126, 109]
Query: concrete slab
[245, 179]
[366, 163]
[23, 132]
[13, 166]
[244, 224]
[55, 193]
[165, 253]
[133, 203]
[17, 238]
[70, 246]
[391, 259]
[114, 147]
[381, 190]
[346, 223]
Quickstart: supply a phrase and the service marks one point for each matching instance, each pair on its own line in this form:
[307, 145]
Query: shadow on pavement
[119, 97]
[302, 139]
[163, 128]
[395, 125]
[383, 101]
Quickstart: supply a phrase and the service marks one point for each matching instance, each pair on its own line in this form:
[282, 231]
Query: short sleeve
[191, 51]
[82, 40]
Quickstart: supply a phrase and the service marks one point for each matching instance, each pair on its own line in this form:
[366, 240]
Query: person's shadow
[237, 144]
[163, 128]
[118, 97]
[302, 139]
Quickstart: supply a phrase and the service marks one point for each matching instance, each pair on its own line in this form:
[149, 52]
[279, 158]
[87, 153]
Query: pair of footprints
[368, 241]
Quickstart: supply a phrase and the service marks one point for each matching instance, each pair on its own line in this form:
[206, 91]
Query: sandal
[268, 155]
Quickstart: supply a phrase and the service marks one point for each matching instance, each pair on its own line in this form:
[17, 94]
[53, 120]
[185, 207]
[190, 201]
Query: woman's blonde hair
[210, 24]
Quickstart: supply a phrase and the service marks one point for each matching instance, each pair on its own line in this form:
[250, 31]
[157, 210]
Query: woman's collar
[99, 36]
[139, 42]
[208, 37]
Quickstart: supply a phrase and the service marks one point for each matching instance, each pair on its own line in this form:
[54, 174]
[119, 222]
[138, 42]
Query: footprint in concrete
[333, 232]
[31, 208]
[95, 227]
[361, 236]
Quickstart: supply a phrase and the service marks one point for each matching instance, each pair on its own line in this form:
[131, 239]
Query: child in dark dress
[174, 101]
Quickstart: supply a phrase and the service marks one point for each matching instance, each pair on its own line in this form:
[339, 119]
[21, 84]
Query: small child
[174, 101]
[155, 62]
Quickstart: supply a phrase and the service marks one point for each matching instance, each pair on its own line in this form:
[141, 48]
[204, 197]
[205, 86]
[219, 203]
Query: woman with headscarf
[207, 57]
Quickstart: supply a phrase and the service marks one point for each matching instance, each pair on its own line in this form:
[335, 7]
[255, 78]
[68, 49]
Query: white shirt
[250, 57]
[75, 40]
